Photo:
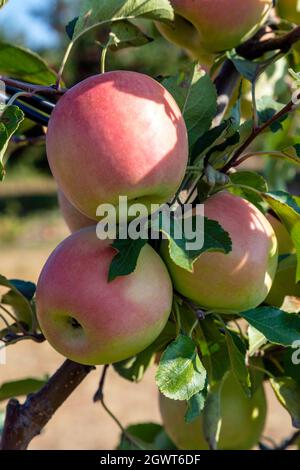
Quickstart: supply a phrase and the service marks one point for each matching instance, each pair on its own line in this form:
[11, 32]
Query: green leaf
[266, 109]
[212, 420]
[252, 180]
[148, 435]
[277, 326]
[196, 96]
[180, 374]
[19, 302]
[134, 368]
[18, 62]
[256, 340]
[125, 34]
[207, 140]
[214, 237]
[2, 3]
[288, 212]
[249, 178]
[125, 261]
[288, 394]
[10, 119]
[195, 406]
[20, 387]
[237, 357]
[94, 13]
[214, 352]
[248, 69]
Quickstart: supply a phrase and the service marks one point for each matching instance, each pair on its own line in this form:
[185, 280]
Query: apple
[90, 320]
[285, 282]
[74, 219]
[206, 27]
[289, 10]
[118, 133]
[243, 419]
[285, 243]
[241, 279]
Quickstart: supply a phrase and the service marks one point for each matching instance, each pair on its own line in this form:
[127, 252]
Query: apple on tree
[243, 419]
[93, 321]
[206, 27]
[117, 134]
[74, 219]
[237, 281]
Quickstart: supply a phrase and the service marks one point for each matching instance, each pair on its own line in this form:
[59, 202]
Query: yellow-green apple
[74, 219]
[285, 243]
[206, 27]
[289, 10]
[242, 424]
[93, 321]
[118, 133]
[241, 279]
[285, 282]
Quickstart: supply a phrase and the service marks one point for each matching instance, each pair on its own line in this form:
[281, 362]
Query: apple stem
[25, 421]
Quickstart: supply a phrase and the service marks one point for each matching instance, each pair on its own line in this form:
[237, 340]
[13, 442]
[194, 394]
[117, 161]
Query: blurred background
[31, 226]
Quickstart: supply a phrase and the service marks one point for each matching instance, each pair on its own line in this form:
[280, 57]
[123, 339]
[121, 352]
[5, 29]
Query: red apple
[93, 321]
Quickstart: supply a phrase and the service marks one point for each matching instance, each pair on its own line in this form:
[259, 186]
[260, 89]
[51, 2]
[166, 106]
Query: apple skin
[212, 26]
[241, 279]
[287, 9]
[90, 320]
[243, 419]
[118, 133]
[285, 243]
[74, 219]
[284, 283]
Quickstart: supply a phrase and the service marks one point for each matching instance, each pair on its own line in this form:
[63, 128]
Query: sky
[16, 18]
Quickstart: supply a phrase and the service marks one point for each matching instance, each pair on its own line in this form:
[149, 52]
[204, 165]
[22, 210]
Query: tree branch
[253, 49]
[24, 422]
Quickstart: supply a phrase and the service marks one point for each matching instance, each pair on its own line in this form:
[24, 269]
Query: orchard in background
[218, 321]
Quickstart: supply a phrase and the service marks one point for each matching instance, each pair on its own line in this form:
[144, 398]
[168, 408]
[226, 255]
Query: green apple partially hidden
[205, 27]
[242, 424]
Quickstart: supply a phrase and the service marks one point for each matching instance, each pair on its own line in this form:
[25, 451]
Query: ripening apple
[117, 134]
[90, 320]
[74, 219]
[285, 243]
[243, 419]
[206, 27]
[289, 10]
[241, 279]
[284, 283]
